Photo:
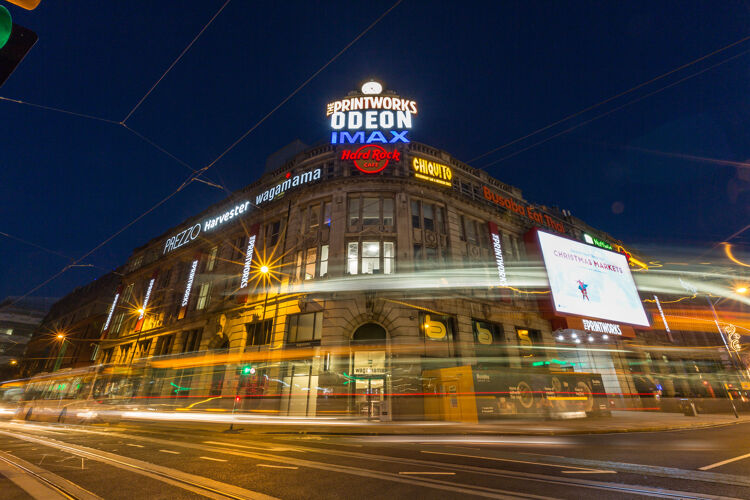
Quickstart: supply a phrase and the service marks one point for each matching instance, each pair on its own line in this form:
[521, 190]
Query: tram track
[59, 486]
[235, 449]
[196, 484]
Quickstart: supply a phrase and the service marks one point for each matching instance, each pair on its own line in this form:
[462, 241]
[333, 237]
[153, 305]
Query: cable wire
[59, 110]
[175, 62]
[609, 99]
[616, 109]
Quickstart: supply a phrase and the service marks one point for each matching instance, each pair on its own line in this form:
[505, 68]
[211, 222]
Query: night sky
[483, 74]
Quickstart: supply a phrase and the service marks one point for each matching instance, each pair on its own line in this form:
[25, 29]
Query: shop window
[486, 333]
[211, 259]
[204, 295]
[527, 341]
[259, 332]
[435, 327]
[304, 327]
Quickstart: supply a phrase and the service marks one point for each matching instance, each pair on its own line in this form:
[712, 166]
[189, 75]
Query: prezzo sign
[186, 236]
[524, 210]
[432, 171]
[371, 118]
[370, 158]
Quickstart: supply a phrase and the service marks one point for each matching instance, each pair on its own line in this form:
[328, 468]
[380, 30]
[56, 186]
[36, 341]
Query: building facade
[362, 273]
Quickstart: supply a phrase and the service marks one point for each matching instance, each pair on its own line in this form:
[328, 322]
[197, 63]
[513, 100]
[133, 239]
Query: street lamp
[741, 290]
[61, 352]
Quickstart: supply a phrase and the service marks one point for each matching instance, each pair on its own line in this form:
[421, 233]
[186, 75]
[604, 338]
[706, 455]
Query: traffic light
[25, 4]
[15, 42]
[248, 370]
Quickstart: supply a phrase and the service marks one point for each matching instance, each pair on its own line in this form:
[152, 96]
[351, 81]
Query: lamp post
[61, 352]
[264, 273]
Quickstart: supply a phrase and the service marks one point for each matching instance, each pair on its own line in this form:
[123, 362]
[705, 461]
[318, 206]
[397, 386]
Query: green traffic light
[247, 370]
[6, 26]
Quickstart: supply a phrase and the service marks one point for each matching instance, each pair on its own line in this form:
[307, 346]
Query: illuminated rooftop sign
[432, 171]
[370, 117]
[370, 158]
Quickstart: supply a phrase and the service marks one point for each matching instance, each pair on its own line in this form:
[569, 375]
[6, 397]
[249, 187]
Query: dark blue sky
[483, 73]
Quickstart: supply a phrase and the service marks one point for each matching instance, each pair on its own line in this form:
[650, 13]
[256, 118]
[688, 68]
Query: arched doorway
[369, 369]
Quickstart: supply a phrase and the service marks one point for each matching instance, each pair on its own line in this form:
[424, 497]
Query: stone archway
[370, 333]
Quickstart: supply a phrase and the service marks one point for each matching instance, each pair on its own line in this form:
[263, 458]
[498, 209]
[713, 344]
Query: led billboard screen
[590, 281]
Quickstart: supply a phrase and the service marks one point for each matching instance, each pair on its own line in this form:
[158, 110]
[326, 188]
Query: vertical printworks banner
[590, 281]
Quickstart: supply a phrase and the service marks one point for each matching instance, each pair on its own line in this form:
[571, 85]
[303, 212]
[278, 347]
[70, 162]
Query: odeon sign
[371, 118]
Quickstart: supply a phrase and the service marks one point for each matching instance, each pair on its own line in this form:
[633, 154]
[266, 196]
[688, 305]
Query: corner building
[388, 280]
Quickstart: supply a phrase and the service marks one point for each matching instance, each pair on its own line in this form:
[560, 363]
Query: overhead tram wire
[609, 99]
[633, 101]
[303, 85]
[174, 63]
[194, 176]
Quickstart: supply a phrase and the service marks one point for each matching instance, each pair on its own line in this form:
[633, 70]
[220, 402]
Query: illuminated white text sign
[290, 182]
[248, 260]
[111, 310]
[189, 285]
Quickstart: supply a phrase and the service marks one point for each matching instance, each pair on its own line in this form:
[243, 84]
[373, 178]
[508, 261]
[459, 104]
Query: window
[136, 263]
[469, 229]
[6, 331]
[127, 294]
[440, 219]
[327, 214]
[323, 260]
[238, 249]
[388, 257]
[164, 345]
[310, 260]
[353, 212]
[429, 218]
[371, 211]
[314, 217]
[304, 327]
[143, 347]
[436, 328]
[307, 260]
[117, 324]
[259, 332]
[352, 257]
[377, 257]
[107, 355]
[387, 211]
[415, 218]
[370, 257]
[272, 233]
[203, 296]
[192, 340]
[211, 260]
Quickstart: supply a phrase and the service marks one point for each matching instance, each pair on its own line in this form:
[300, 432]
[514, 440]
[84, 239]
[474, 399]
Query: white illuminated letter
[338, 120]
[355, 120]
[371, 119]
[386, 119]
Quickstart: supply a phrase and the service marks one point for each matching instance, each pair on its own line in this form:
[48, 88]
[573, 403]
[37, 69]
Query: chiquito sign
[372, 121]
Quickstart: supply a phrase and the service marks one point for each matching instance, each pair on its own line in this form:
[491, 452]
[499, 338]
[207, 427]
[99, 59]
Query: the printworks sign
[375, 122]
